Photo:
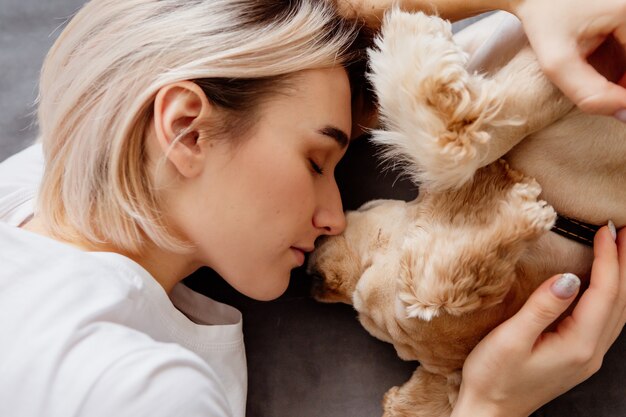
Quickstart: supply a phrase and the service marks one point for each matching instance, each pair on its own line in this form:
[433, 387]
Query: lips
[300, 253]
[305, 249]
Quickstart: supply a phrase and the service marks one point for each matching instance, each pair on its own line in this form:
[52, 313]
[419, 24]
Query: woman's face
[260, 206]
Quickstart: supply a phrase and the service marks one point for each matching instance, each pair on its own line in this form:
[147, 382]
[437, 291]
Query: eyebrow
[335, 133]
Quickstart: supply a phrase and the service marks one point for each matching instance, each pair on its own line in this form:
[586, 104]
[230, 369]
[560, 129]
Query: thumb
[566, 65]
[544, 306]
[588, 89]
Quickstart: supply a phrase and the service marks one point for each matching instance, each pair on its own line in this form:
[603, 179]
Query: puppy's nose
[313, 271]
[317, 280]
[320, 241]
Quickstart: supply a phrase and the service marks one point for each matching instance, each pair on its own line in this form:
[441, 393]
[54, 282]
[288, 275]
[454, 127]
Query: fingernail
[620, 115]
[612, 229]
[565, 286]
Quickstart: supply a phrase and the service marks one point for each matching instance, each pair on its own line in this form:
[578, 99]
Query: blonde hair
[100, 78]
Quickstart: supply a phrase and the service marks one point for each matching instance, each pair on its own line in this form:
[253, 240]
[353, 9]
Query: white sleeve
[20, 176]
[157, 384]
[24, 169]
[492, 41]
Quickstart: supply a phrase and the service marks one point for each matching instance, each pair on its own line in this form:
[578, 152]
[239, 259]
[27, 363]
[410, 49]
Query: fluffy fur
[435, 275]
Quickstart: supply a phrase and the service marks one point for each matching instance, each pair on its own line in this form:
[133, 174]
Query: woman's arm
[519, 366]
[372, 11]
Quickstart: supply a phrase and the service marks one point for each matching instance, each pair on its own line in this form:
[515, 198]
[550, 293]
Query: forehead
[317, 99]
[383, 215]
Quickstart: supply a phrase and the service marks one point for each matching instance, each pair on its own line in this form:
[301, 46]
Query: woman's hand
[519, 366]
[564, 33]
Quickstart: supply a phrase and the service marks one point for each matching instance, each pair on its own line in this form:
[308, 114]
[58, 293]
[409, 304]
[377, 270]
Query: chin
[268, 289]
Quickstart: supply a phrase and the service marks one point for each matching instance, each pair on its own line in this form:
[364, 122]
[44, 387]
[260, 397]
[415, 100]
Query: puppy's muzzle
[317, 280]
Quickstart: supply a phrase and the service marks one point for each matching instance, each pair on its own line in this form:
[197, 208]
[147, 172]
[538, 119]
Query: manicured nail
[620, 115]
[612, 229]
[565, 286]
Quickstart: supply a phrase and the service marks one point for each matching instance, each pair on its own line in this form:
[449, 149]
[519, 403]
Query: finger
[596, 312]
[621, 259]
[619, 320]
[589, 90]
[608, 58]
[543, 307]
[576, 78]
[620, 35]
[621, 254]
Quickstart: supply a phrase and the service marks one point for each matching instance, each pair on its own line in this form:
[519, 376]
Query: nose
[329, 216]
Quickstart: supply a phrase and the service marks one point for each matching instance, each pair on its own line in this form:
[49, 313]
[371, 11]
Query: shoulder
[24, 169]
[20, 176]
[159, 380]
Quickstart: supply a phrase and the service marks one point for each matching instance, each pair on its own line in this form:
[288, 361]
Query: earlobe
[178, 110]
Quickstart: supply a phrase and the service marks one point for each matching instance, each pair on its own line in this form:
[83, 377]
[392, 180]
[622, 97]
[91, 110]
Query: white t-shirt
[94, 334]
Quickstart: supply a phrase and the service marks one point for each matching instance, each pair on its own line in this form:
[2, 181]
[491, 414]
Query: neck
[167, 268]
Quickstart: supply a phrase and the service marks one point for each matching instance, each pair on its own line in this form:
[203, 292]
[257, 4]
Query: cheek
[279, 181]
[282, 203]
[260, 198]
[259, 208]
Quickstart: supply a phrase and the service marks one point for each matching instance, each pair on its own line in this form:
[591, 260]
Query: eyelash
[316, 167]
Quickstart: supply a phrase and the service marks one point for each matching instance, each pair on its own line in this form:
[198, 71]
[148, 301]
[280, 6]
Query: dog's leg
[526, 94]
[453, 384]
[440, 121]
[464, 260]
[424, 395]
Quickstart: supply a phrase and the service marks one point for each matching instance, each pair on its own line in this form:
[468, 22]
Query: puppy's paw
[527, 189]
[535, 216]
[389, 399]
[424, 395]
[422, 311]
[454, 281]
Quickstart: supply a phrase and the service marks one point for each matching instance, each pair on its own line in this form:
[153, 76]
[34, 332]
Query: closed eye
[316, 167]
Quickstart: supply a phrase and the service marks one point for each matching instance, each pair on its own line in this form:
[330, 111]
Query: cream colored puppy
[434, 275]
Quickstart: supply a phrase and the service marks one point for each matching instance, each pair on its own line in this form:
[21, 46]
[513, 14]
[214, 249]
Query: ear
[178, 109]
[457, 271]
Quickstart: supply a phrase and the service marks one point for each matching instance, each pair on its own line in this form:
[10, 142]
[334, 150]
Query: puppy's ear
[437, 116]
[452, 281]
